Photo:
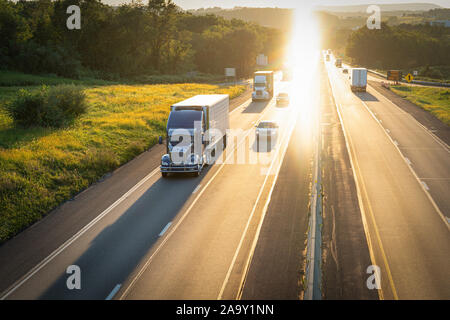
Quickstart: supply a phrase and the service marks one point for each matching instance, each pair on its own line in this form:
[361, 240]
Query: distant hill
[282, 18]
[383, 7]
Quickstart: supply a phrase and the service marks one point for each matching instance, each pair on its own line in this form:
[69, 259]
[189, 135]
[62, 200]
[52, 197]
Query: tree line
[400, 47]
[134, 39]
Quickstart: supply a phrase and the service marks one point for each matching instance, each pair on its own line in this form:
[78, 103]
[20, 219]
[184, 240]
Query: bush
[46, 107]
[70, 99]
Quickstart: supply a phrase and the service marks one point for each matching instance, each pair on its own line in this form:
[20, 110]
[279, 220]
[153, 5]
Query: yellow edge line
[350, 149]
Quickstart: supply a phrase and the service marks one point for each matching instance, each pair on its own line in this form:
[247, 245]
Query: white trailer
[194, 129]
[359, 79]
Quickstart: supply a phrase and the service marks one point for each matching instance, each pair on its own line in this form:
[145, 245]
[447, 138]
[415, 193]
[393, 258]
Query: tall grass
[42, 167]
[434, 100]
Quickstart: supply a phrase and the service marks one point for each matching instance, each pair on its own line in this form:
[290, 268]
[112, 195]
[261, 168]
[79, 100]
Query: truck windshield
[260, 81]
[183, 119]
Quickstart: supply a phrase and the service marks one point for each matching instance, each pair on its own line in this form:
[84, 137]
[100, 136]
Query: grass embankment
[434, 100]
[42, 167]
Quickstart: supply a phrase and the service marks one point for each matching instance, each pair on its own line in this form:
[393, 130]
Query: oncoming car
[282, 99]
[266, 134]
[345, 71]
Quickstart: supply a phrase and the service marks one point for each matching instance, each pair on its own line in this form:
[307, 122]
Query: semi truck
[195, 133]
[263, 83]
[359, 79]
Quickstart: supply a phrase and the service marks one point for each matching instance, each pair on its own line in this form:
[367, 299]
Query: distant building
[444, 23]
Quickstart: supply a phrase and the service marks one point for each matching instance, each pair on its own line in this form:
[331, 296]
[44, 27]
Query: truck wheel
[224, 141]
[164, 174]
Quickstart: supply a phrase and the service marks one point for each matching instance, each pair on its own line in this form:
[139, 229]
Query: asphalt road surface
[175, 238]
[403, 177]
[239, 230]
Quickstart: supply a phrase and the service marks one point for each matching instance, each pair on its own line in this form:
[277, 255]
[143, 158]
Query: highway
[402, 173]
[239, 230]
[175, 238]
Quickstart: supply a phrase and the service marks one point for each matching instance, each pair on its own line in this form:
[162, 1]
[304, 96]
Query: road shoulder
[345, 254]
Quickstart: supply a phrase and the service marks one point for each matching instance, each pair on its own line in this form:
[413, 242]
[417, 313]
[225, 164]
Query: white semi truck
[263, 83]
[196, 133]
[359, 79]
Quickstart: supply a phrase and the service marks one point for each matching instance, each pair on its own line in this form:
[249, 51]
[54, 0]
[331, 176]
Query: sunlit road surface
[403, 177]
[204, 256]
[173, 238]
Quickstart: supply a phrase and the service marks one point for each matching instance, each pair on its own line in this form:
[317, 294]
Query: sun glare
[302, 58]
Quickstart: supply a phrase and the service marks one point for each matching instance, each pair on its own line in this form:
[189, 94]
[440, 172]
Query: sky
[195, 4]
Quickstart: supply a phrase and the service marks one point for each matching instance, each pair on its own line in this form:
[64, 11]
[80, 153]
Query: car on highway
[266, 134]
[282, 99]
[345, 71]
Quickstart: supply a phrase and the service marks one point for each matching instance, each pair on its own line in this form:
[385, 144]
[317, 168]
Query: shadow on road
[256, 106]
[365, 96]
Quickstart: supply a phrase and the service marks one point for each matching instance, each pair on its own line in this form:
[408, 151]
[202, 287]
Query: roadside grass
[40, 168]
[434, 100]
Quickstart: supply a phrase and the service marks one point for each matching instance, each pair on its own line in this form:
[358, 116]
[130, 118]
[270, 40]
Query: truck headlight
[165, 160]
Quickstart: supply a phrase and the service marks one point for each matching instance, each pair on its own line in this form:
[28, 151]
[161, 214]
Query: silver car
[266, 134]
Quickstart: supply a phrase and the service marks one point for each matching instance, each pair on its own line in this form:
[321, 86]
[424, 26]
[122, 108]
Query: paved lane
[409, 239]
[114, 247]
[202, 257]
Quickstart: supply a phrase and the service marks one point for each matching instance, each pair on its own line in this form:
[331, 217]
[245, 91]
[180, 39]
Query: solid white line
[147, 263]
[258, 230]
[66, 244]
[113, 292]
[196, 189]
[408, 161]
[413, 172]
[435, 137]
[165, 229]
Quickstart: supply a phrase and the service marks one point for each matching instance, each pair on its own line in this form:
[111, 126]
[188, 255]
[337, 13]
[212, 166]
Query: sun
[302, 57]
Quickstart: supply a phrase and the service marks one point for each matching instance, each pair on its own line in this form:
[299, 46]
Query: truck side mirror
[160, 140]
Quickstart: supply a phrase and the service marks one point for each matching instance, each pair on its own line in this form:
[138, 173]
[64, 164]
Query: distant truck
[359, 79]
[338, 63]
[263, 83]
[195, 129]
